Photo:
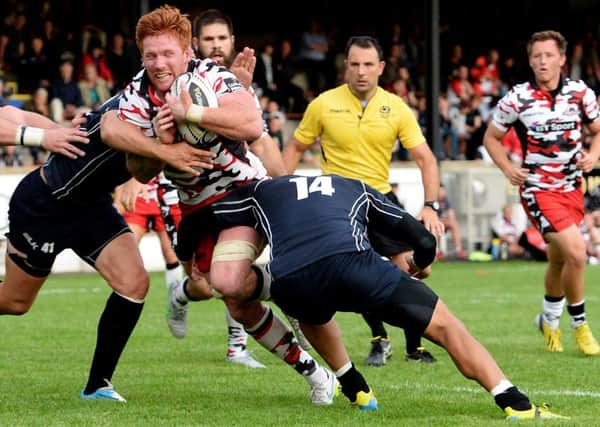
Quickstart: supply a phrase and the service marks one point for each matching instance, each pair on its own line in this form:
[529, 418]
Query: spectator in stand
[121, 61]
[486, 86]
[314, 46]
[448, 217]
[507, 233]
[3, 100]
[476, 128]
[460, 92]
[264, 73]
[34, 69]
[394, 60]
[65, 95]
[575, 65]
[275, 122]
[3, 47]
[94, 89]
[493, 61]
[39, 101]
[18, 40]
[400, 88]
[450, 68]
[289, 95]
[448, 145]
[52, 46]
[95, 55]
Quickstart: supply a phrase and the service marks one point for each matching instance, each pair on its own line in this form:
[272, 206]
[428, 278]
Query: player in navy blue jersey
[67, 203]
[322, 262]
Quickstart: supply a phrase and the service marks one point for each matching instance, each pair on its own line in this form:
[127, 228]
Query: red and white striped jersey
[234, 165]
[549, 127]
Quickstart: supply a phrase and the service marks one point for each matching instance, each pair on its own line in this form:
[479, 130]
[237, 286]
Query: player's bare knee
[231, 266]
[226, 279]
[132, 285]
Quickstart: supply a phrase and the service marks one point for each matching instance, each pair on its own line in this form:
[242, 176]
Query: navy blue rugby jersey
[306, 219]
[91, 176]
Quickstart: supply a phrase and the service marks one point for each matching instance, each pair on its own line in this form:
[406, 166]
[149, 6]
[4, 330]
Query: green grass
[45, 356]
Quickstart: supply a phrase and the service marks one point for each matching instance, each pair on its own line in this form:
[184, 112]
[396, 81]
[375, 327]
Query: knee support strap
[235, 250]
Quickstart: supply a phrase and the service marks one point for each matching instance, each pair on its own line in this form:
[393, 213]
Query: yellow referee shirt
[358, 144]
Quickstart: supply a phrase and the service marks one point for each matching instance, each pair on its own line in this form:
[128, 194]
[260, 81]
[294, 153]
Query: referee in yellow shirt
[358, 123]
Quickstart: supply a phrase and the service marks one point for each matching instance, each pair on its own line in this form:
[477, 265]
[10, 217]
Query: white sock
[173, 274]
[501, 387]
[552, 312]
[343, 369]
[237, 338]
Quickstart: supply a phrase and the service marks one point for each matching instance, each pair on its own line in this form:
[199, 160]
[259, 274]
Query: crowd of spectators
[59, 73]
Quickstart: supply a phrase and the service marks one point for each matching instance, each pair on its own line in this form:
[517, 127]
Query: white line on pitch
[61, 291]
[577, 393]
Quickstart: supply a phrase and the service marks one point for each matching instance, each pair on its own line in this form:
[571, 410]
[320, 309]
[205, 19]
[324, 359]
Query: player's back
[304, 218]
[93, 175]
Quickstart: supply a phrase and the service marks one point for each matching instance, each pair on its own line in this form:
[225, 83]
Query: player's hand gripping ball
[202, 94]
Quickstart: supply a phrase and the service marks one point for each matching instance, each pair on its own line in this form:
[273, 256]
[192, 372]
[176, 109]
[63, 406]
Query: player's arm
[430, 176]
[292, 153]
[398, 224]
[268, 152]
[588, 158]
[492, 140]
[127, 137]
[18, 127]
[236, 117]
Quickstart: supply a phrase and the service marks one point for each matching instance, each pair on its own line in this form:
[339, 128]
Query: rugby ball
[201, 94]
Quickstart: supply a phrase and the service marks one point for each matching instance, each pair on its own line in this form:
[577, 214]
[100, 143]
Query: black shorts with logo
[41, 227]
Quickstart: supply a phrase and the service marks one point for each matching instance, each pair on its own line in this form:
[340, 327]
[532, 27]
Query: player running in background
[548, 114]
[153, 207]
[164, 39]
[320, 267]
[358, 124]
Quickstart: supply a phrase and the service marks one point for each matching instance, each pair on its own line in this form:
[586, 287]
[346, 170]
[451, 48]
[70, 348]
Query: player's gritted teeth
[160, 77]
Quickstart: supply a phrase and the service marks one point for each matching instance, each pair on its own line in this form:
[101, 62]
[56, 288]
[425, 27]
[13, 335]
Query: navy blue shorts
[383, 244]
[41, 227]
[355, 282]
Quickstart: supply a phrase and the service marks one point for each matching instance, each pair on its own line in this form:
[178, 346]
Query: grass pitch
[45, 357]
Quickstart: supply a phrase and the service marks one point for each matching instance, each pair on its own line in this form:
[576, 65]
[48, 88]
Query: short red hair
[164, 20]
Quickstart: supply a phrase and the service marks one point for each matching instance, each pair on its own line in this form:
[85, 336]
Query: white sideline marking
[62, 291]
[576, 393]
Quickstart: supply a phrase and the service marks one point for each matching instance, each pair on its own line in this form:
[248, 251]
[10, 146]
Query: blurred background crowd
[61, 57]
